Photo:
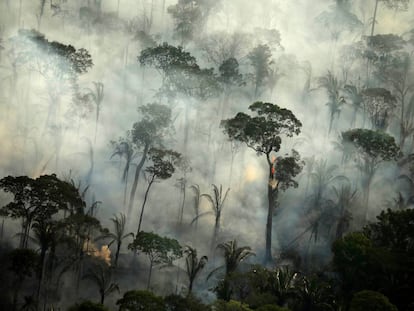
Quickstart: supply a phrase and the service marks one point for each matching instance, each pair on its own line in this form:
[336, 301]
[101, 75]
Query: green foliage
[367, 300]
[167, 58]
[24, 262]
[262, 132]
[232, 305]
[272, 308]
[260, 60]
[88, 306]
[234, 255]
[163, 163]
[139, 300]
[372, 146]
[193, 265]
[158, 249]
[229, 72]
[394, 230]
[189, 303]
[56, 58]
[37, 200]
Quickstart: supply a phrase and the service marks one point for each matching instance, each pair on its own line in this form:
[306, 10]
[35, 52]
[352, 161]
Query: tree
[147, 133]
[368, 300]
[188, 303]
[217, 204]
[159, 250]
[167, 59]
[37, 200]
[101, 275]
[370, 149]
[193, 265]
[197, 198]
[332, 86]
[24, 262]
[163, 167]
[118, 235]
[233, 256]
[124, 148]
[97, 96]
[391, 4]
[263, 133]
[190, 15]
[88, 306]
[58, 63]
[379, 103]
[393, 235]
[260, 60]
[140, 300]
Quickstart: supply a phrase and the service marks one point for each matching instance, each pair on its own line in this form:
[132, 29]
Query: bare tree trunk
[136, 178]
[272, 193]
[143, 203]
[149, 275]
[374, 17]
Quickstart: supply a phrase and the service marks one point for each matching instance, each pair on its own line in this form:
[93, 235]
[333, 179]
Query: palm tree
[193, 265]
[315, 295]
[97, 96]
[344, 199]
[233, 256]
[118, 235]
[124, 149]
[282, 284]
[217, 203]
[332, 86]
[356, 101]
[101, 275]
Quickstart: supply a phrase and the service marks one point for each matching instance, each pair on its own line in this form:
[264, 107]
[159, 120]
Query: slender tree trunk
[149, 275]
[271, 197]
[136, 178]
[183, 200]
[374, 17]
[118, 249]
[145, 201]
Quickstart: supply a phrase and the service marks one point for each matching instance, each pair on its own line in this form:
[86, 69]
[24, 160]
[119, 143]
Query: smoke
[306, 51]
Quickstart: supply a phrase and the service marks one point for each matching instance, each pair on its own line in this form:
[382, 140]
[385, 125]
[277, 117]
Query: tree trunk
[118, 249]
[374, 17]
[149, 275]
[143, 203]
[271, 197]
[135, 183]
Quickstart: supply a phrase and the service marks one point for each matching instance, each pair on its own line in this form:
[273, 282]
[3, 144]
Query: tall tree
[160, 250]
[217, 204]
[332, 86]
[37, 200]
[101, 275]
[163, 167]
[193, 265]
[97, 96]
[263, 132]
[260, 60]
[145, 134]
[118, 235]
[370, 149]
[400, 5]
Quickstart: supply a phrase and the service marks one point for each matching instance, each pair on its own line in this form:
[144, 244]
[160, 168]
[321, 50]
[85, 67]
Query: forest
[207, 155]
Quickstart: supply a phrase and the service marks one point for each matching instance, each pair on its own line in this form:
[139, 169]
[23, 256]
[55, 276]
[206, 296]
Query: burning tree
[263, 133]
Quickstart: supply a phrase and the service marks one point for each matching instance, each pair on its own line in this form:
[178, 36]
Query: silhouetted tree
[159, 250]
[194, 265]
[370, 149]
[163, 167]
[263, 133]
